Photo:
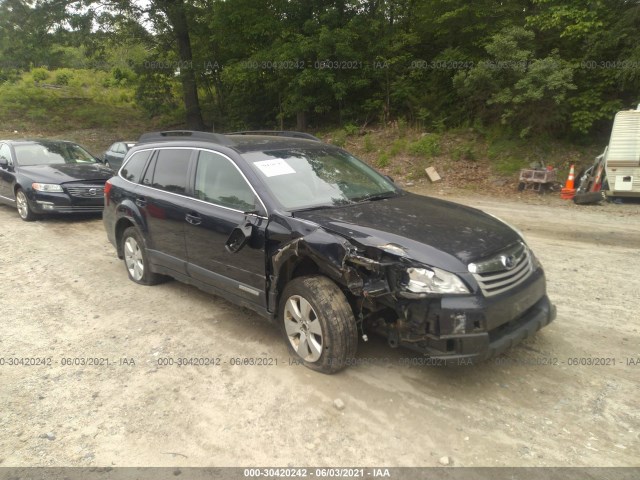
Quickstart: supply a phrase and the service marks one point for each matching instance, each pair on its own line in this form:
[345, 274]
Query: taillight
[107, 191]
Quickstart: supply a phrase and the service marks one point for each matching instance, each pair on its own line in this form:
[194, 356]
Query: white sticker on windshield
[275, 167]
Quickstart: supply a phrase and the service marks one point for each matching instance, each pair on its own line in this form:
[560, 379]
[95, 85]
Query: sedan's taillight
[107, 191]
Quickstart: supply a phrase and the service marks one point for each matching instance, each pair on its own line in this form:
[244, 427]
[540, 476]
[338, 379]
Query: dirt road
[65, 298]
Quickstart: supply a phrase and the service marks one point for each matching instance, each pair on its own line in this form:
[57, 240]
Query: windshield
[314, 177]
[50, 153]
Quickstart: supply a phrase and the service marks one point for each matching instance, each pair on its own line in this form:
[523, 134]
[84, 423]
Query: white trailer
[615, 173]
[622, 157]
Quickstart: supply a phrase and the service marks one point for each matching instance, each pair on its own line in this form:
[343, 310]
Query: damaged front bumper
[473, 327]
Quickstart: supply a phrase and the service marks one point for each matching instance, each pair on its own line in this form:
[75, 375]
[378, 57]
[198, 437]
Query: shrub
[368, 144]
[427, 146]
[383, 160]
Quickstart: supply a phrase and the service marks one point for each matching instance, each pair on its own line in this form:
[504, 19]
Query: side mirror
[239, 237]
[4, 163]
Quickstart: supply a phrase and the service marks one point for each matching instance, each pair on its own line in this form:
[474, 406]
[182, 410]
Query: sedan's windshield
[51, 153]
[314, 177]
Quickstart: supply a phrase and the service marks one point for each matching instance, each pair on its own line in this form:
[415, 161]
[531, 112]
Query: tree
[527, 94]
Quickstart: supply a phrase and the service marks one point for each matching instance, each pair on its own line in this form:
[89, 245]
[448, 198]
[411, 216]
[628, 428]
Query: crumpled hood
[431, 231]
[66, 172]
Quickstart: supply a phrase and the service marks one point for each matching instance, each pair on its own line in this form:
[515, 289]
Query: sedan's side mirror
[239, 237]
[4, 163]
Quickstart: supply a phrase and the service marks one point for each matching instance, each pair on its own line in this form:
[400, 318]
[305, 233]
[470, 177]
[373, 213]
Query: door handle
[193, 219]
[141, 201]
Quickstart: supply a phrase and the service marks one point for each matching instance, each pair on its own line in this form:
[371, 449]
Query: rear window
[134, 167]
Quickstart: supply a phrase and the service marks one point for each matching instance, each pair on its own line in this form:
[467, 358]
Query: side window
[219, 181]
[170, 173]
[134, 166]
[5, 152]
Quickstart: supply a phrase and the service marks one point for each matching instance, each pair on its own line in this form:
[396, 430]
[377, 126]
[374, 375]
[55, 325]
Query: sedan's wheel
[318, 324]
[135, 258]
[22, 205]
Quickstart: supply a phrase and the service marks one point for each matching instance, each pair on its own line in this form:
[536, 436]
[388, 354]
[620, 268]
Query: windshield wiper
[375, 196]
[341, 203]
[309, 209]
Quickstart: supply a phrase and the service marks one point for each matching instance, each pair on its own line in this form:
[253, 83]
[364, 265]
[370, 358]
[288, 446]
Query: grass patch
[428, 146]
[339, 138]
[368, 145]
[383, 160]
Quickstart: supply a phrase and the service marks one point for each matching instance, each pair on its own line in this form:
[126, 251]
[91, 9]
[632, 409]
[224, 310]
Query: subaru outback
[307, 235]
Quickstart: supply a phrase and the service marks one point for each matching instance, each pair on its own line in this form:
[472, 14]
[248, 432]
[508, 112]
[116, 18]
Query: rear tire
[136, 260]
[318, 324]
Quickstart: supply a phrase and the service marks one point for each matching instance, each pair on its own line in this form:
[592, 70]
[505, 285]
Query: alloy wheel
[303, 328]
[133, 258]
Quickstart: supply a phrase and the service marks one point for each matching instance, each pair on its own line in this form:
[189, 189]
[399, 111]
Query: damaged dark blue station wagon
[307, 235]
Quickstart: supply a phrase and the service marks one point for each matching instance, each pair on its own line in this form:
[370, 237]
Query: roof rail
[185, 135]
[278, 133]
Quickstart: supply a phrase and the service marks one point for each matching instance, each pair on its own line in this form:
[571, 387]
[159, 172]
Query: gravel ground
[548, 402]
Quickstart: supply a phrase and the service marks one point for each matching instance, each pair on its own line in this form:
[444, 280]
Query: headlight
[46, 187]
[434, 280]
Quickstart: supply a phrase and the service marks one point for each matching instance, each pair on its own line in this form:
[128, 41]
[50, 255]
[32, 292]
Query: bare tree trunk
[301, 121]
[175, 11]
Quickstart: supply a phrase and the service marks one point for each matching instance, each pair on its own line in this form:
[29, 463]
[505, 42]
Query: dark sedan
[115, 154]
[50, 176]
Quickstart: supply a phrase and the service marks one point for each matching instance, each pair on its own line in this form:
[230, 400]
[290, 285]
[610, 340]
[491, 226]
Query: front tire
[22, 205]
[318, 324]
[136, 259]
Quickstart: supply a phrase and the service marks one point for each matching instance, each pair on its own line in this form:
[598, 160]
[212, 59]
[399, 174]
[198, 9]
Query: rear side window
[134, 167]
[170, 172]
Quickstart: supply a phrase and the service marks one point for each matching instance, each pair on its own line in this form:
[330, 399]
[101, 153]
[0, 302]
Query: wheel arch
[301, 266]
[121, 225]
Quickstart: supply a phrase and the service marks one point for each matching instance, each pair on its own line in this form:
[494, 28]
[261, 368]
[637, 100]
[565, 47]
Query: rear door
[221, 196]
[162, 199]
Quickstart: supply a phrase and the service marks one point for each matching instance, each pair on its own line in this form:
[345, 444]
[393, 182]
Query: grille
[504, 271]
[79, 209]
[86, 191]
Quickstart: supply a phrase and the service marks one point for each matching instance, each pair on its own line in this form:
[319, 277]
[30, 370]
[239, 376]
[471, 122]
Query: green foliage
[398, 146]
[531, 67]
[403, 126]
[62, 78]
[383, 160]
[39, 74]
[77, 96]
[428, 146]
[465, 151]
[368, 144]
[351, 129]
[527, 94]
[339, 138]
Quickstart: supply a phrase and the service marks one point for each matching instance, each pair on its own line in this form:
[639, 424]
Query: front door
[221, 198]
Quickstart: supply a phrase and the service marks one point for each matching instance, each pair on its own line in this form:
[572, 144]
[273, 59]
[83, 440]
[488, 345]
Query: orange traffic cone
[569, 191]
